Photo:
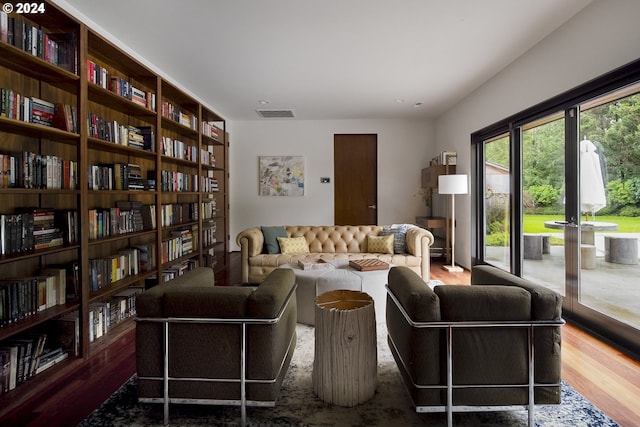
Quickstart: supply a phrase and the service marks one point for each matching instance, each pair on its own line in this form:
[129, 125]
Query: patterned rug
[297, 405]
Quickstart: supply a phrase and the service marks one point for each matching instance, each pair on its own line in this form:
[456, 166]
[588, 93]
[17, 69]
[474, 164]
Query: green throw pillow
[271, 245]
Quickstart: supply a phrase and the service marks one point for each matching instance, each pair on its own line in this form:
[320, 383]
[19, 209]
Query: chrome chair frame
[449, 407]
[243, 380]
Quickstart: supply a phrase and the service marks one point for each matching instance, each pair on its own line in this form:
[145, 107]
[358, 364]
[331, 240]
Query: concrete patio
[613, 289]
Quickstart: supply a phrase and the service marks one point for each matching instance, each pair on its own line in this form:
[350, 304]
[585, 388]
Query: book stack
[45, 232]
[140, 137]
[180, 243]
[41, 111]
[133, 177]
[133, 220]
[178, 269]
[209, 184]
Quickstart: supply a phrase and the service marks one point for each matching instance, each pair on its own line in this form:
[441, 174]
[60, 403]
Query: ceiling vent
[275, 114]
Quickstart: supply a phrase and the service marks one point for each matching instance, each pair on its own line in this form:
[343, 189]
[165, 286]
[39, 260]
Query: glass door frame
[625, 336]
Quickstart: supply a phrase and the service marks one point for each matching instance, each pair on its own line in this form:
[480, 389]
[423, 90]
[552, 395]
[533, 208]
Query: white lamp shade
[453, 184]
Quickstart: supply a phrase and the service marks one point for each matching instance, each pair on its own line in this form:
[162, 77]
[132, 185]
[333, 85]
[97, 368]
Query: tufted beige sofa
[331, 242]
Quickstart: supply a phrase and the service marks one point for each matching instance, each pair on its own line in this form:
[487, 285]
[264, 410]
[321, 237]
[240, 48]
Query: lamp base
[453, 268]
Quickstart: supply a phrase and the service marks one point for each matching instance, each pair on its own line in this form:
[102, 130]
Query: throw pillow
[270, 234]
[293, 245]
[399, 232]
[380, 244]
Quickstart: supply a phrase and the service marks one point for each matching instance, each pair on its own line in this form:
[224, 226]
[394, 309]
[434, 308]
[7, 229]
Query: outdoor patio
[611, 288]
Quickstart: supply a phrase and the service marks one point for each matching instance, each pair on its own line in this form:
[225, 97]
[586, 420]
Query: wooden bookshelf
[124, 94]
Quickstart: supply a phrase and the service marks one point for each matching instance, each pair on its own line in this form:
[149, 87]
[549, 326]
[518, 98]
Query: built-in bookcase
[113, 180]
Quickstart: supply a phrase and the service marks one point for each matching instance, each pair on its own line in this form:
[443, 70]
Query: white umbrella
[592, 194]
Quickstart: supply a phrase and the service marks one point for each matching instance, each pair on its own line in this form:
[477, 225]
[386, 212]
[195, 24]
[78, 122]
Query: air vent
[275, 114]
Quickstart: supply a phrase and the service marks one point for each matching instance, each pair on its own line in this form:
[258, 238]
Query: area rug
[297, 404]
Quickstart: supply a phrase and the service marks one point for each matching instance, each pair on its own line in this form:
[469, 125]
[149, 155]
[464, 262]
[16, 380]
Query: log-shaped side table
[345, 367]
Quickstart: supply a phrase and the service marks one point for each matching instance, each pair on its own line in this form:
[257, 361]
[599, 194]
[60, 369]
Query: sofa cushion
[219, 301]
[418, 300]
[271, 245]
[267, 299]
[149, 303]
[380, 244]
[546, 303]
[293, 245]
[399, 232]
[483, 303]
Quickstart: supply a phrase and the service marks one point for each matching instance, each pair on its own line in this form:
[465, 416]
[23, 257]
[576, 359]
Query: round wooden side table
[345, 366]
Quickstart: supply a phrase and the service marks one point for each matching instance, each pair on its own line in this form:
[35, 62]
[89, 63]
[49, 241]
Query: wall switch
[325, 180]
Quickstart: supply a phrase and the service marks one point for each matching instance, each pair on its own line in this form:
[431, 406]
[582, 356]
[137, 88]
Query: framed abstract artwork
[281, 175]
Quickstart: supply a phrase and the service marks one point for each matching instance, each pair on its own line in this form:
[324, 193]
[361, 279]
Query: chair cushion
[483, 303]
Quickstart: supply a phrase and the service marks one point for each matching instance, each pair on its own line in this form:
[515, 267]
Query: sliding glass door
[561, 206]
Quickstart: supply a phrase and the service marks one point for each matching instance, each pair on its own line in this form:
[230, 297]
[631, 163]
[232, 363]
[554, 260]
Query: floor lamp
[453, 184]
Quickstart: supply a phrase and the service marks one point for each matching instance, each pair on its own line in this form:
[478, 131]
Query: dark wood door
[356, 179]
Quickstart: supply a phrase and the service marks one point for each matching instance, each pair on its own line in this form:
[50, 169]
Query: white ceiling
[329, 59]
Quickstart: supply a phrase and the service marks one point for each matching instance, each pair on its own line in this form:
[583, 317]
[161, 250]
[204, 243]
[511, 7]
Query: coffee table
[312, 283]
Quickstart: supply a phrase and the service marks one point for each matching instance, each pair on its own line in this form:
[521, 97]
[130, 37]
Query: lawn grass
[535, 223]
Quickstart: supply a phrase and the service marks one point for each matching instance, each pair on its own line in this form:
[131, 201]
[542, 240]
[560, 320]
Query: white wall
[404, 148]
[603, 36]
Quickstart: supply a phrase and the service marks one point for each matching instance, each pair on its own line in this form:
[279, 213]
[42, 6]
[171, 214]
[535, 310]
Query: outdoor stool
[546, 244]
[588, 257]
[621, 250]
[532, 246]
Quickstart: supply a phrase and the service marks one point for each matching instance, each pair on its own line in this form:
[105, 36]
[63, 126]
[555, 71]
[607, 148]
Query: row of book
[37, 111]
[125, 217]
[209, 208]
[209, 184]
[179, 213]
[116, 176]
[55, 48]
[177, 181]
[24, 297]
[209, 236]
[127, 262]
[180, 243]
[208, 158]
[38, 228]
[210, 130]
[105, 315]
[27, 169]
[178, 149]
[141, 137]
[99, 75]
[175, 113]
[178, 269]
[19, 359]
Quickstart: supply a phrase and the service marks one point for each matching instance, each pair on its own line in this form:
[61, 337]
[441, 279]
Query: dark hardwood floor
[607, 377]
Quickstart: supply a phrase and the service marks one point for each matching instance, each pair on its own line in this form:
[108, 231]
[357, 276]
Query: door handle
[372, 207]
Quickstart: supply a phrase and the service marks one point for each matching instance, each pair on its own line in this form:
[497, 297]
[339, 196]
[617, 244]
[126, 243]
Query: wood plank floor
[604, 375]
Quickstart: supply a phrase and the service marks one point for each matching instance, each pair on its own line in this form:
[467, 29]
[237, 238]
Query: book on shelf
[51, 358]
[64, 333]
[55, 48]
[31, 170]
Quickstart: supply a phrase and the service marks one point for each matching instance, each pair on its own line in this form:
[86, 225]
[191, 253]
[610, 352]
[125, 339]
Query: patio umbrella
[592, 195]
